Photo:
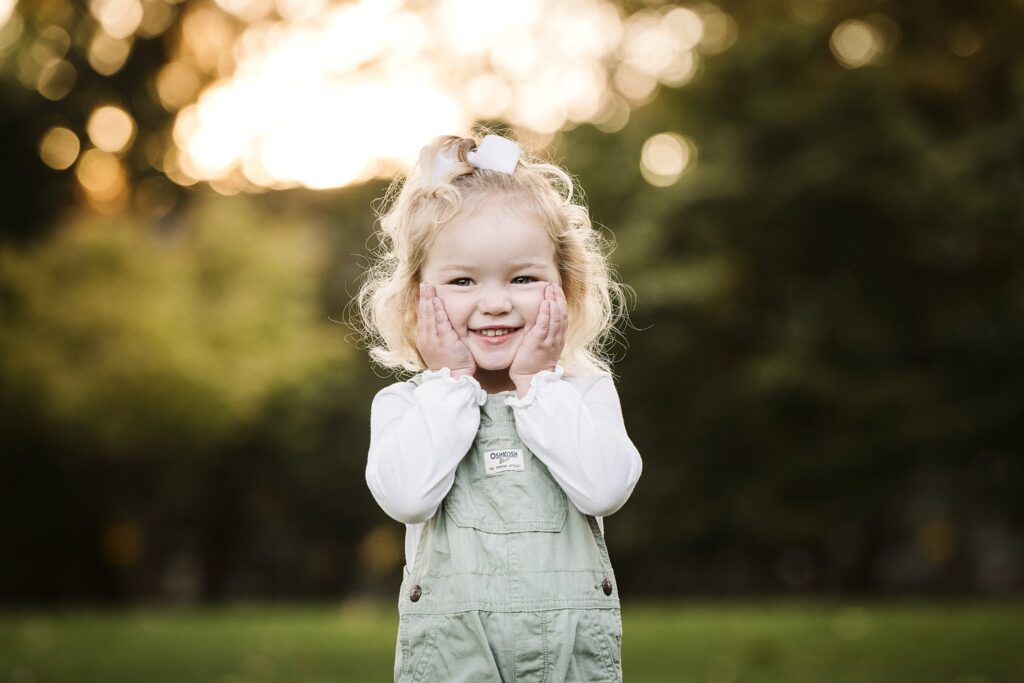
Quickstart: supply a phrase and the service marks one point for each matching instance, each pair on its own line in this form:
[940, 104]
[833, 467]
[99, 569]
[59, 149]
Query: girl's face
[490, 269]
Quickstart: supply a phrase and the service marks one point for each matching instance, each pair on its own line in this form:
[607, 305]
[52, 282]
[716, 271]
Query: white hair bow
[494, 153]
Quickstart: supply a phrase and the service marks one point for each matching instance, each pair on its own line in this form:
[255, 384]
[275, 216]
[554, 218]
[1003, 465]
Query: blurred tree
[134, 366]
[57, 66]
[824, 378]
[835, 289]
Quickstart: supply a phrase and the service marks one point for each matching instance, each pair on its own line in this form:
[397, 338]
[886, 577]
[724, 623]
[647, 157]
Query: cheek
[528, 304]
[457, 309]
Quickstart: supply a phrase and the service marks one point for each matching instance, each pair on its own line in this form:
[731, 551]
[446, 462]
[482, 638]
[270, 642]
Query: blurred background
[818, 203]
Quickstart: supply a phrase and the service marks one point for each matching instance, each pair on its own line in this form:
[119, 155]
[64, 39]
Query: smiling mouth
[495, 334]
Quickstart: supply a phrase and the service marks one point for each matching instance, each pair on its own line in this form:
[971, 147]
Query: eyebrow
[455, 268]
[513, 265]
[528, 264]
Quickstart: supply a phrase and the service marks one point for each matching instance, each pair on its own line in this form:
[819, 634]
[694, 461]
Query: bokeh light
[102, 177]
[720, 29]
[51, 46]
[119, 18]
[108, 54]
[176, 84]
[6, 11]
[209, 36]
[56, 80]
[324, 99]
[59, 148]
[614, 114]
[247, 10]
[111, 128]
[274, 94]
[665, 157]
[157, 16]
[807, 11]
[965, 39]
[11, 27]
[636, 85]
[856, 43]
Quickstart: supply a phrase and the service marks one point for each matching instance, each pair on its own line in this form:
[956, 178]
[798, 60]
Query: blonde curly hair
[415, 210]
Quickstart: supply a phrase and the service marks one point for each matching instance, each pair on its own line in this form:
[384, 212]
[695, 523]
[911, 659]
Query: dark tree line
[823, 376]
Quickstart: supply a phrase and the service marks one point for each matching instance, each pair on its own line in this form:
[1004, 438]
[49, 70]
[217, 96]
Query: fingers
[557, 315]
[543, 342]
[436, 338]
[441, 322]
[542, 325]
[563, 306]
[433, 318]
[427, 325]
[552, 318]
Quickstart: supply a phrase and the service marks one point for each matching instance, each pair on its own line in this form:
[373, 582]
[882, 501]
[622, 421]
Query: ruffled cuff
[445, 375]
[540, 379]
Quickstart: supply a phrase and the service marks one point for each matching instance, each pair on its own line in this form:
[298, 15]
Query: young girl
[506, 450]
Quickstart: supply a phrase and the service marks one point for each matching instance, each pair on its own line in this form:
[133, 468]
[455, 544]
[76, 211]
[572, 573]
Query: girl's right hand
[437, 340]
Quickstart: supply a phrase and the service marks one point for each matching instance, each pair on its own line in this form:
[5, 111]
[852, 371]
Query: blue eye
[523, 280]
[461, 282]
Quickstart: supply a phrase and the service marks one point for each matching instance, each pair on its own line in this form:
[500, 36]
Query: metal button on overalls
[503, 583]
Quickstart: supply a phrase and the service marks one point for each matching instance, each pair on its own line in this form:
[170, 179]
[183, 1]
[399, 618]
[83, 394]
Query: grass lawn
[679, 642]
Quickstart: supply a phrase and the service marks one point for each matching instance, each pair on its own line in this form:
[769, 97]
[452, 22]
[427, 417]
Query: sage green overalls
[511, 581]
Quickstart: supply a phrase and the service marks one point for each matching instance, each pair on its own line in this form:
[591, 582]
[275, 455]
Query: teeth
[494, 333]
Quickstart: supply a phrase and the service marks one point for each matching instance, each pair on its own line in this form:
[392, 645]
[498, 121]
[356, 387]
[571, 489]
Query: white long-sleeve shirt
[420, 433]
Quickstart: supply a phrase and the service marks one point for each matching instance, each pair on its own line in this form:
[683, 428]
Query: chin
[492, 364]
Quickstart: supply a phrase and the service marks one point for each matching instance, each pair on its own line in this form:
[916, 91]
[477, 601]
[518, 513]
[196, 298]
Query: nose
[495, 300]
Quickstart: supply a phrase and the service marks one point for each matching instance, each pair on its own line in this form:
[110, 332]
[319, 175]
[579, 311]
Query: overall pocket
[501, 488]
[598, 651]
[417, 645]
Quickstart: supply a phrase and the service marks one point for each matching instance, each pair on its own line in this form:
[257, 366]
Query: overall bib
[511, 581]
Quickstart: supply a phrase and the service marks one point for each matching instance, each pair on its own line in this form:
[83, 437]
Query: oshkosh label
[504, 460]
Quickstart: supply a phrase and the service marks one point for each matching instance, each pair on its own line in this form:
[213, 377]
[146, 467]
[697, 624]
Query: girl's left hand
[543, 343]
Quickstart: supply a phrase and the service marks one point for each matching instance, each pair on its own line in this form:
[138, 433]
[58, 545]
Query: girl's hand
[543, 343]
[437, 340]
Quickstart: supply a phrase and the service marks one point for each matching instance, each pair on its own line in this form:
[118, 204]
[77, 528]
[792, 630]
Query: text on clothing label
[504, 460]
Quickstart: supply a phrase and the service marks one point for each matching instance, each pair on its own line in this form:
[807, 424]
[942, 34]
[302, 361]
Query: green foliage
[828, 310]
[141, 341]
[823, 378]
[156, 393]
